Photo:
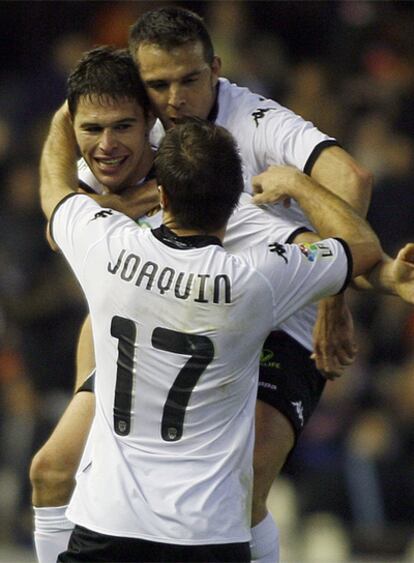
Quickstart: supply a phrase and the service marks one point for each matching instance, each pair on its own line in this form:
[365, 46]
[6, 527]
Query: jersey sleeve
[301, 274]
[78, 224]
[267, 132]
[288, 139]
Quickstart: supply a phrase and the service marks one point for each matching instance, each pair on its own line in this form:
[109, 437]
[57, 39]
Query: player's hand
[333, 337]
[134, 201]
[403, 273]
[276, 185]
[141, 200]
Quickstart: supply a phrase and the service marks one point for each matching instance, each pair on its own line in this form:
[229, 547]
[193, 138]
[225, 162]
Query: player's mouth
[110, 165]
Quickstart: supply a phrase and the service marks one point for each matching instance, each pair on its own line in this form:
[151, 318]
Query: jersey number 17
[199, 348]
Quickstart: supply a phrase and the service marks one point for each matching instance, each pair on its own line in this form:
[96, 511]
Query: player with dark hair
[110, 114]
[166, 473]
[176, 60]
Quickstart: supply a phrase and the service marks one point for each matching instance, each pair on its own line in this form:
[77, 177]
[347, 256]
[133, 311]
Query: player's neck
[145, 164]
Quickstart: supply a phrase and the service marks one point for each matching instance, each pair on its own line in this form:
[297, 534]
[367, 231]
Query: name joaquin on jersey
[200, 287]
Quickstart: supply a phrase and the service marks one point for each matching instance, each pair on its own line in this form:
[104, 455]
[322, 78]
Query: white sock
[52, 532]
[264, 545]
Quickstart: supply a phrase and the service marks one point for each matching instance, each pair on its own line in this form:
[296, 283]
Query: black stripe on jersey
[297, 232]
[212, 116]
[316, 152]
[54, 212]
[350, 264]
[166, 236]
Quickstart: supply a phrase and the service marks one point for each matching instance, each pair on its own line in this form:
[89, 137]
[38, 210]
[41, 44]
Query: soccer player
[111, 117]
[177, 63]
[166, 473]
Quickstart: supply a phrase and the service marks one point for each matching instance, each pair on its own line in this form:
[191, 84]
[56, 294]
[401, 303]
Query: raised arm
[58, 173]
[333, 333]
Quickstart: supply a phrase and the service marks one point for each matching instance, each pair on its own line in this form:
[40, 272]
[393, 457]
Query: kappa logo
[279, 249]
[102, 214]
[299, 410]
[260, 113]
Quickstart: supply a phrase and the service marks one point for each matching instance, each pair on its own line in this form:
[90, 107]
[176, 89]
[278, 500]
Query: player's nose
[108, 140]
[176, 96]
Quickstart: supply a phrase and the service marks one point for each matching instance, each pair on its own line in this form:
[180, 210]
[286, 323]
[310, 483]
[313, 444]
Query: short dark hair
[170, 27]
[106, 71]
[199, 166]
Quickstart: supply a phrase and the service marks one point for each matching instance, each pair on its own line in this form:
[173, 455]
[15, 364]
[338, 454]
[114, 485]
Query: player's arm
[337, 171]
[331, 216]
[328, 213]
[134, 202]
[333, 333]
[394, 276]
[58, 172]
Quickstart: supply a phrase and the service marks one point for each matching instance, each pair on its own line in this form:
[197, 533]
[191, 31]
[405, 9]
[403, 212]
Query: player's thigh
[289, 390]
[273, 441]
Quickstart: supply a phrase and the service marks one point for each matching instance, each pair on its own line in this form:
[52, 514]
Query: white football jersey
[268, 133]
[178, 327]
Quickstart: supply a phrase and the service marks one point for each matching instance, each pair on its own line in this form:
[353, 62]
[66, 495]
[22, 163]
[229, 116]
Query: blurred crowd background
[347, 493]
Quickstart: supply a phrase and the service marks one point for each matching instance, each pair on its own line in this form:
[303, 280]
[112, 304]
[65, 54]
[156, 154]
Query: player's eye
[190, 80]
[158, 86]
[122, 126]
[92, 129]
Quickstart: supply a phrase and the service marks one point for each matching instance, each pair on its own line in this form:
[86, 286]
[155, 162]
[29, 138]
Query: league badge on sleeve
[312, 251]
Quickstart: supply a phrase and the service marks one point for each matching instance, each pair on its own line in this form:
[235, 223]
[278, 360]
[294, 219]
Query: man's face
[112, 137]
[179, 82]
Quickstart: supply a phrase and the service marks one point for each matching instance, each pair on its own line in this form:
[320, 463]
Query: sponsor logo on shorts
[267, 359]
[267, 385]
[299, 410]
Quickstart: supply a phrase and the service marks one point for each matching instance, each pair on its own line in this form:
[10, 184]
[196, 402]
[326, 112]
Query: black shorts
[289, 380]
[86, 545]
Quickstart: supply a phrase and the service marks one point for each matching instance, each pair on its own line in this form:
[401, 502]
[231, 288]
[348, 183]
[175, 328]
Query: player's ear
[163, 197]
[215, 69]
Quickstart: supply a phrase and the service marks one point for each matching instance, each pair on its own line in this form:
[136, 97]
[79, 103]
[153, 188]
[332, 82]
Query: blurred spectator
[259, 64]
[42, 308]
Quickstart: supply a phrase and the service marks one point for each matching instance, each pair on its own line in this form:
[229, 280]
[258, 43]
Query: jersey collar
[166, 236]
